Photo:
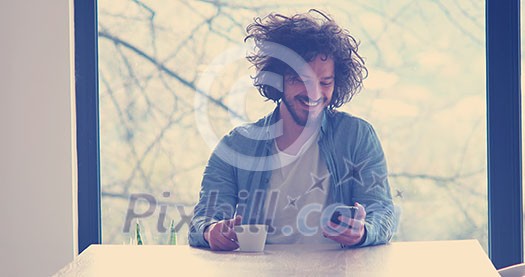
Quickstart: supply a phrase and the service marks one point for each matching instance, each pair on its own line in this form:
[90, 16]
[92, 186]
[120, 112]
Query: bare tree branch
[460, 27]
[437, 179]
[169, 72]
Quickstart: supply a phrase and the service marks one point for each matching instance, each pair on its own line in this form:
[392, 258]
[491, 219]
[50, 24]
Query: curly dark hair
[308, 35]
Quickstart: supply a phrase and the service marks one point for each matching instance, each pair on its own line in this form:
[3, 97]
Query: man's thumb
[238, 220]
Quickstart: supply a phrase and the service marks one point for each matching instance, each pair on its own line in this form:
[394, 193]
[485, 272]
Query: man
[291, 169]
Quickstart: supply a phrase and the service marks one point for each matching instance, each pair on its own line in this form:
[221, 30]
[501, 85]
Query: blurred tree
[425, 97]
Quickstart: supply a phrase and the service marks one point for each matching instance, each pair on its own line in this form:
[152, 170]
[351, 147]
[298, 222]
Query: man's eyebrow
[323, 78]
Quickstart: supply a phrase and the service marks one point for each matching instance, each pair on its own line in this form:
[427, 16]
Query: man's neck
[294, 135]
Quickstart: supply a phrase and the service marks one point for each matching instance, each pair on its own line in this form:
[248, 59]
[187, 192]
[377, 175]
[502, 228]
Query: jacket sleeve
[217, 198]
[371, 188]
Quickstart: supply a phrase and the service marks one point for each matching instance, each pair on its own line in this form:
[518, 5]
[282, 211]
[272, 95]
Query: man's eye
[297, 80]
[326, 84]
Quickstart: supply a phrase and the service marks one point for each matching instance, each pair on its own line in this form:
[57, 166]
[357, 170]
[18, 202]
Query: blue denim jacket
[239, 170]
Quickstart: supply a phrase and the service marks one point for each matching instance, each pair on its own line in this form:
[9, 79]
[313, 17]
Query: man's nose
[315, 92]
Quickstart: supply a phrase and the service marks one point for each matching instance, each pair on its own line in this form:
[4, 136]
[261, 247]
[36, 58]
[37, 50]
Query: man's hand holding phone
[347, 225]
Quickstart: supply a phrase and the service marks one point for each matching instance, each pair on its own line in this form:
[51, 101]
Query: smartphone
[346, 211]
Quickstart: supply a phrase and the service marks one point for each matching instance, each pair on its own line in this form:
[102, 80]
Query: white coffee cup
[251, 237]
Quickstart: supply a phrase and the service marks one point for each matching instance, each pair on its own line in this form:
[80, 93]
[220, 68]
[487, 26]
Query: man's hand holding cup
[221, 235]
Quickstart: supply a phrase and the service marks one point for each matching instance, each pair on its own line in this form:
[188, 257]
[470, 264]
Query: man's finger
[222, 244]
[357, 225]
[215, 242]
[354, 224]
[238, 220]
[335, 229]
[223, 226]
[227, 243]
[234, 221]
[220, 229]
[230, 234]
[361, 212]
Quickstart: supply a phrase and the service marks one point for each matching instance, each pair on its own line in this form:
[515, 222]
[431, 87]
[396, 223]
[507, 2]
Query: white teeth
[312, 103]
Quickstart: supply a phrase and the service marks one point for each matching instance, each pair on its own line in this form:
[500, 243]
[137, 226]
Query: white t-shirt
[302, 188]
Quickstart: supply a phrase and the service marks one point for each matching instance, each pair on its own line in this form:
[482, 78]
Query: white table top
[434, 258]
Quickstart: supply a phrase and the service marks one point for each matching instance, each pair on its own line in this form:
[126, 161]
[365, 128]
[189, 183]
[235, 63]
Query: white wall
[36, 192]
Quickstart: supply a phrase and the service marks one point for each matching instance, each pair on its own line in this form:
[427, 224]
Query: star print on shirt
[292, 202]
[378, 182]
[317, 182]
[352, 172]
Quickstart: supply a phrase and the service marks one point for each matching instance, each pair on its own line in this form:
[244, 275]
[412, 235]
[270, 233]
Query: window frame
[503, 63]
[503, 54]
[87, 123]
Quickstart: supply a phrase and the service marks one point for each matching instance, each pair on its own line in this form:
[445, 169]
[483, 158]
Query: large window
[425, 96]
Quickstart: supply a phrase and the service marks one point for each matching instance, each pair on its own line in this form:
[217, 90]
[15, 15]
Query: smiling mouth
[309, 102]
